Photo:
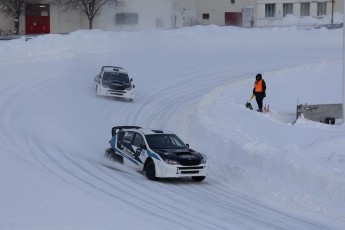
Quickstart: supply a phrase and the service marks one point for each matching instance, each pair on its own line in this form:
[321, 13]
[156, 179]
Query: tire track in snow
[82, 176]
[10, 99]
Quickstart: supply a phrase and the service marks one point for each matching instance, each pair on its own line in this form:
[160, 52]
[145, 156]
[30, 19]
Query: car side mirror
[133, 86]
[187, 145]
[131, 79]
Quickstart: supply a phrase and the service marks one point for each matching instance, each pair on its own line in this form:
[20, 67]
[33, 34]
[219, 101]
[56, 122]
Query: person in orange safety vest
[259, 90]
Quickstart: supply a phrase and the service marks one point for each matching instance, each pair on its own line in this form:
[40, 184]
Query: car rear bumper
[173, 171]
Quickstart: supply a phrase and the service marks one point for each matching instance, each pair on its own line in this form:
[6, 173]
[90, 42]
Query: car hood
[179, 154]
[117, 85]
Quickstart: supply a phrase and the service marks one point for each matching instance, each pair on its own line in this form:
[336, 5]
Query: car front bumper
[173, 171]
[130, 94]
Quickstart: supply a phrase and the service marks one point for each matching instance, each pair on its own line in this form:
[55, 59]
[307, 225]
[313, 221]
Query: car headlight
[171, 162]
[129, 88]
[203, 161]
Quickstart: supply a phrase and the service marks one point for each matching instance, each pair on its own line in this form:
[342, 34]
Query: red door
[233, 19]
[37, 20]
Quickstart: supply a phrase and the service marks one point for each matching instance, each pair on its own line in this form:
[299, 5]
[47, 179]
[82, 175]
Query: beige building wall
[217, 8]
[164, 14]
[6, 24]
[167, 14]
[62, 21]
[261, 20]
[151, 14]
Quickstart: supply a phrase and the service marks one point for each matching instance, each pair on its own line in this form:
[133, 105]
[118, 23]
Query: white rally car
[114, 81]
[158, 153]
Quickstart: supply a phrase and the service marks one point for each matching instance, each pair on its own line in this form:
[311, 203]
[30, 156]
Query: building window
[270, 10]
[321, 8]
[126, 18]
[287, 9]
[37, 10]
[232, 1]
[305, 9]
[206, 16]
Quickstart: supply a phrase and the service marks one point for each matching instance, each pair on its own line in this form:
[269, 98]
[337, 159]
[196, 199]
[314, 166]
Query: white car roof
[114, 69]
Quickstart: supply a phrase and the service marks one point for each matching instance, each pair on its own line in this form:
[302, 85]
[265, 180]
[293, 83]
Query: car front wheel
[150, 171]
[96, 89]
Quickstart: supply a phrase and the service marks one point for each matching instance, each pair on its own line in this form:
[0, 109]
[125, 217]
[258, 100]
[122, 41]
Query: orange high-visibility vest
[258, 86]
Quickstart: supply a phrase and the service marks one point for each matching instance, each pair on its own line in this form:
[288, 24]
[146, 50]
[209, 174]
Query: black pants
[259, 98]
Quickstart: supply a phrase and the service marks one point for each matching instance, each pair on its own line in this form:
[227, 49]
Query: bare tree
[14, 8]
[89, 7]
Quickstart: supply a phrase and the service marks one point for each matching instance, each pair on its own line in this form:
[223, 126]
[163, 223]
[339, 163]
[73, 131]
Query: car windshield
[164, 141]
[115, 76]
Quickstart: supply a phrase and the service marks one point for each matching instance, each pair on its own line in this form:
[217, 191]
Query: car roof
[113, 69]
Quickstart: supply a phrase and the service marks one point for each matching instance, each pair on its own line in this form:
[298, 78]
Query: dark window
[128, 137]
[126, 18]
[321, 8]
[115, 76]
[305, 9]
[138, 140]
[287, 9]
[232, 1]
[164, 141]
[206, 16]
[270, 10]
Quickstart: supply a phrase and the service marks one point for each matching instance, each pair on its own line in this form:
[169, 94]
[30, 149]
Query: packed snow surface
[264, 171]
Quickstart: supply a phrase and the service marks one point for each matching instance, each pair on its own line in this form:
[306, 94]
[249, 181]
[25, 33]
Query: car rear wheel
[112, 155]
[150, 171]
[198, 178]
[109, 153]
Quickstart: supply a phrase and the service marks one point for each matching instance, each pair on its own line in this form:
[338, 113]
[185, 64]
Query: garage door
[37, 19]
[233, 19]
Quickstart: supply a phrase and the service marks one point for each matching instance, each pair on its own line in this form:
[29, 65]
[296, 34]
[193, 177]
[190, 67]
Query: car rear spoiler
[117, 129]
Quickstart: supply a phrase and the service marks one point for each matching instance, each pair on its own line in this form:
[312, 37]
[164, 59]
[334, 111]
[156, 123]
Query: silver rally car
[157, 153]
[114, 81]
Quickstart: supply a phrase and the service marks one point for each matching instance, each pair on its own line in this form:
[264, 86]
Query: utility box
[326, 113]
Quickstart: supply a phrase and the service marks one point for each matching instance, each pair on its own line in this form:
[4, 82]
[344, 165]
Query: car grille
[117, 87]
[190, 170]
[117, 92]
[189, 162]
